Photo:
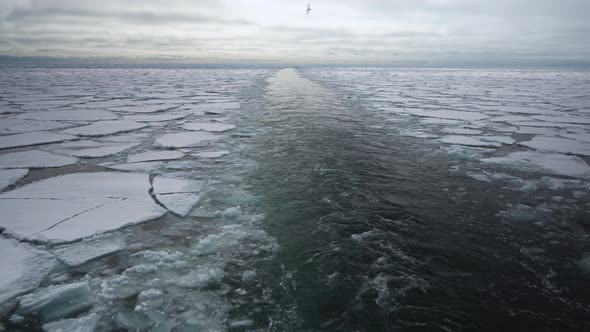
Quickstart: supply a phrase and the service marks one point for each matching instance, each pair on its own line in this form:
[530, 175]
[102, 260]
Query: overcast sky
[336, 31]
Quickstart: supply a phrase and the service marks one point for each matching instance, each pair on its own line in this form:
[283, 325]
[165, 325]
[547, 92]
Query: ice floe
[144, 108]
[145, 167]
[557, 144]
[550, 163]
[90, 149]
[74, 115]
[34, 159]
[179, 196]
[185, 139]
[33, 138]
[57, 301]
[86, 250]
[82, 324]
[155, 117]
[23, 268]
[78, 205]
[8, 177]
[102, 128]
[154, 156]
[211, 154]
[209, 126]
[17, 126]
[449, 114]
[468, 141]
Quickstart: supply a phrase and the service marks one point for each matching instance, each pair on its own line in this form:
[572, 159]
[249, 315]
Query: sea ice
[34, 159]
[449, 114]
[562, 119]
[90, 149]
[144, 108]
[11, 176]
[33, 138]
[57, 301]
[82, 324]
[212, 154]
[73, 206]
[551, 163]
[23, 268]
[16, 126]
[102, 128]
[209, 126]
[435, 121]
[154, 156]
[468, 141]
[156, 117]
[75, 115]
[557, 144]
[185, 139]
[144, 167]
[498, 139]
[177, 195]
[461, 131]
[86, 250]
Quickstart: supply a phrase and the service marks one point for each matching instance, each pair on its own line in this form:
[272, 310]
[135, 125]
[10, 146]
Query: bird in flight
[308, 8]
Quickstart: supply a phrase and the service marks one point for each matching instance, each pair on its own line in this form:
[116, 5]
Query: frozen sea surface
[312, 199]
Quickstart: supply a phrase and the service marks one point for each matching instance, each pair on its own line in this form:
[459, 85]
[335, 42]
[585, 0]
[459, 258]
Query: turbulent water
[344, 200]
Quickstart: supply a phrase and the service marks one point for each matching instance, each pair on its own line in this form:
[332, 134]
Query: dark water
[377, 235]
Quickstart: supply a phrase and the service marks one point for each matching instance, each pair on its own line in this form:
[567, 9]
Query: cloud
[336, 31]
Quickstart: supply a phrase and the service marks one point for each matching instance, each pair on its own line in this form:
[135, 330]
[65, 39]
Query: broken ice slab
[185, 139]
[74, 115]
[33, 138]
[34, 159]
[86, 250]
[558, 144]
[16, 126]
[83, 324]
[179, 196]
[57, 301]
[467, 141]
[24, 267]
[73, 206]
[208, 126]
[550, 163]
[91, 149]
[145, 167]
[154, 156]
[102, 128]
[9, 177]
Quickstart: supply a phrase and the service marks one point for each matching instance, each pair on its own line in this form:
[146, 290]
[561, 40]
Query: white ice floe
[510, 118]
[448, 114]
[209, 126]
[74, 206]
[102, 128]
[126, 138]
[435, 121]
[86, 250]
[498, 139]
[154, 156]
[179, 196]
[185, 139]
[144, 167]
[35, 159]
[557, 144]
[8, 177]
[462, 131]
[417, 134]
[83, 324]
[583, 137]
[211, 154]
[23, 268]
[550, 163]
[468, 141]
[16, 126]
[538, 131]
[33, 138]
[57, 301]
[90, 149]
[562, 119]
[74, 115]
[144, 108]
[156, 117]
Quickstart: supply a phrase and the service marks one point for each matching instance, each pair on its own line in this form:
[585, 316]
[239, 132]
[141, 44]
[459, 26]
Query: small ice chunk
[448, 114]
[74, 115]
[211, 154]
[91, 149]
[557, 144]
[102, 128]
[584, 264]
[34, 159]
[209, 126]
[32, 138]
[154, 156]
[11, 176]
[57, 301]
[185, 139]
[551, 163]
[248, 275]
[88, 249]
[461, 152]
[23, 268]
[83, 324]
[468, 141]
[177, 195]
[201, 278]
[241, 323]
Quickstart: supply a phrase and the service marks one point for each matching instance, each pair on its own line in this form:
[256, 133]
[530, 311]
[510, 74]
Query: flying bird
[308, 8]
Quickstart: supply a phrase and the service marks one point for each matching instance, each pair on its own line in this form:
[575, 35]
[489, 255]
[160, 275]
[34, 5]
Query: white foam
[34, 159]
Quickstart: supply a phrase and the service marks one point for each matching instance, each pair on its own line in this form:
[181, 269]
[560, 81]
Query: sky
[280, 31]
